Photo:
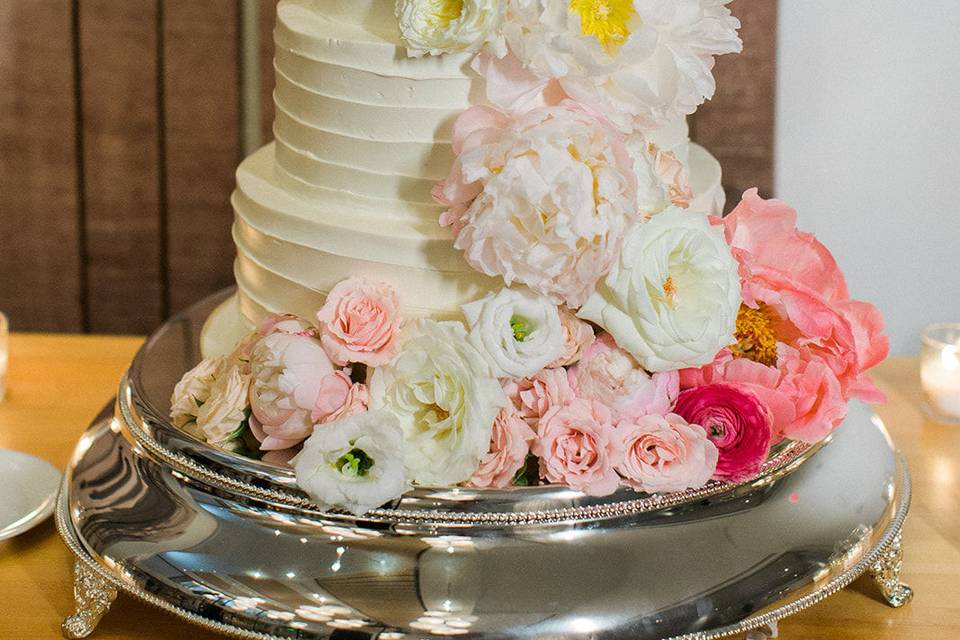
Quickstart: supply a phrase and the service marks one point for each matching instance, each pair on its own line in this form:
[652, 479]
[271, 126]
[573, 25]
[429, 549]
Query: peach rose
[577, 336]
[509, 446]
[665, 453]
[534, 397]
[578, 446]
[360, 322]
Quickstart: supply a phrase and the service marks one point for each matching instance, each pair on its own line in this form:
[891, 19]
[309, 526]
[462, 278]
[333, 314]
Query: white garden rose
[671, 300]
[517, 331]
[445, 26]
[446, 399]
[642, 63]
[225, 410]
[354, 464]
[193, 390]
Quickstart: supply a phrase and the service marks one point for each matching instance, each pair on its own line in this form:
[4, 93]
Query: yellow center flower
[756, 338]
[443, 12]
[606, 20]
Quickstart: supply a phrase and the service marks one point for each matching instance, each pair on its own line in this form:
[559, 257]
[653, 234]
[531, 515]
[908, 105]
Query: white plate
[28, 491]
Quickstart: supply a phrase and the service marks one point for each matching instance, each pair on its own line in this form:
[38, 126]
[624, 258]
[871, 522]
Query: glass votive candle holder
[940, 371]
[4, 353]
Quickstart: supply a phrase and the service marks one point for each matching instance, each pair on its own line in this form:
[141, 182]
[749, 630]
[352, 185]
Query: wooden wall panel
[40, 266]
[737, 125]
[121, 132]
[202, 144]
[268, 18]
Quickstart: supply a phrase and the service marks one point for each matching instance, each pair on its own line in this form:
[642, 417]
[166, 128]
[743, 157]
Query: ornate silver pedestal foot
[886, 573]
[93, 596]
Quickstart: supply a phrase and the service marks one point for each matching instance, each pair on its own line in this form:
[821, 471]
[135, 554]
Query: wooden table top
[58, 383]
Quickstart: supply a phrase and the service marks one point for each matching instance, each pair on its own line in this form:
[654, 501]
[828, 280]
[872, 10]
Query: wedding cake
[482, 250]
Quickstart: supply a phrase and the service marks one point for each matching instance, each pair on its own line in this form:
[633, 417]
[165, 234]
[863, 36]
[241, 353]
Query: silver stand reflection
[232, 545]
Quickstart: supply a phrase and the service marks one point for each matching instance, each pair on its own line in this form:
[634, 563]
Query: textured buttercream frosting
[363, 132]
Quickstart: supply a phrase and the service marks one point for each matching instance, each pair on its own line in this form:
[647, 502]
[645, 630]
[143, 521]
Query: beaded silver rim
[773, 469]
[893, 529]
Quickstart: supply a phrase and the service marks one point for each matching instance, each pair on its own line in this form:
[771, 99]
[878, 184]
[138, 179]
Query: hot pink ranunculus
[736, 421]
[534, 397]
[360, 322]
[578, 446]
[509, 445]
[610, 375]
[796, 276]
[665, 453]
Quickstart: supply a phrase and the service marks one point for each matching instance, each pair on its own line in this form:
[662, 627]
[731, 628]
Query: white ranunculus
[672, 298]
[193, 390]
[517, 331]
[225, 410]
[445, 26]
[446, 398]
[642, 63]
[355, 463]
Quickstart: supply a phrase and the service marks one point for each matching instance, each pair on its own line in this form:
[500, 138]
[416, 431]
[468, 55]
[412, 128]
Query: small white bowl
[28, 491]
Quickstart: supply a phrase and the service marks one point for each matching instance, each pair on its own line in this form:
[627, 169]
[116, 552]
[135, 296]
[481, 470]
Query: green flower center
[522, 328]
[354, 463]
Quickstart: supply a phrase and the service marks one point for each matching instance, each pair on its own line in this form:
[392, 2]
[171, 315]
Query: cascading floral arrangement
[636, 342]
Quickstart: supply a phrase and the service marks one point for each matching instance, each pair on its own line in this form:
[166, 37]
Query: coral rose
[360, 322]
[509, 446]
[736, 421]
[665, 453]
[577, 446]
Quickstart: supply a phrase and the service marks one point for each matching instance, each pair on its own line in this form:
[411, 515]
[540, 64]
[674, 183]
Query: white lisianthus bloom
[446, 398]
[517, 331]
[445, 26]
[193, 390]
[671, 300]
[226, 409]
[354, 464]
[642, 63]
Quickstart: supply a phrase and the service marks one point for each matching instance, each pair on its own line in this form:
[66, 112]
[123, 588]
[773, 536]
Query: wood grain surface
[58, 383]
[40, 261]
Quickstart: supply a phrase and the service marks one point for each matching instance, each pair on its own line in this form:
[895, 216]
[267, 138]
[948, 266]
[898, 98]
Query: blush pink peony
[610, 375]
[665, 453]
[736, 421]
[509, 445]
[819, 405]
[578, 446]
[534, 397]
[360, 322]
[543, 199]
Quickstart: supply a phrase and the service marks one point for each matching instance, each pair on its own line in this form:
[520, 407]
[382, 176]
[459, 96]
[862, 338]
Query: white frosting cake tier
[362, 136]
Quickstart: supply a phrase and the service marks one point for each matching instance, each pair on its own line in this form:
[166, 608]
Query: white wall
[868, 148]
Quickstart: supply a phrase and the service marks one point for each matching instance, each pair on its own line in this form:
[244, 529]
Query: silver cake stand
[231, 544]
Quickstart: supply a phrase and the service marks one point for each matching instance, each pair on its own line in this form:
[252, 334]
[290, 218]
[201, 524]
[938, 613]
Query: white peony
[672, 298]
[355, 463]
[446, 398]
[444, 26]
[193, 390]
[642, 63]
[543, 200]
[517, 331]
[225, 410]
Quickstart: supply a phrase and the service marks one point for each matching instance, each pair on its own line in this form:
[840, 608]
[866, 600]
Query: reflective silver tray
[230, 544]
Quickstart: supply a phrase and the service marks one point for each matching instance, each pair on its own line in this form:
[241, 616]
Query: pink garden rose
[577, 336]
[610, 375]
[543, 198]
[794, 277]
[819, 405]
[578, 446]
[356, 400]
[664, 453]
[534, 397]
[736, 421]
[360, 322]
[509, 445]
[291, 375]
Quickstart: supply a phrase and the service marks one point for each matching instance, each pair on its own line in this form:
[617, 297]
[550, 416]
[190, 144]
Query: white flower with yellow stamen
[642, 63]
[445, 26]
